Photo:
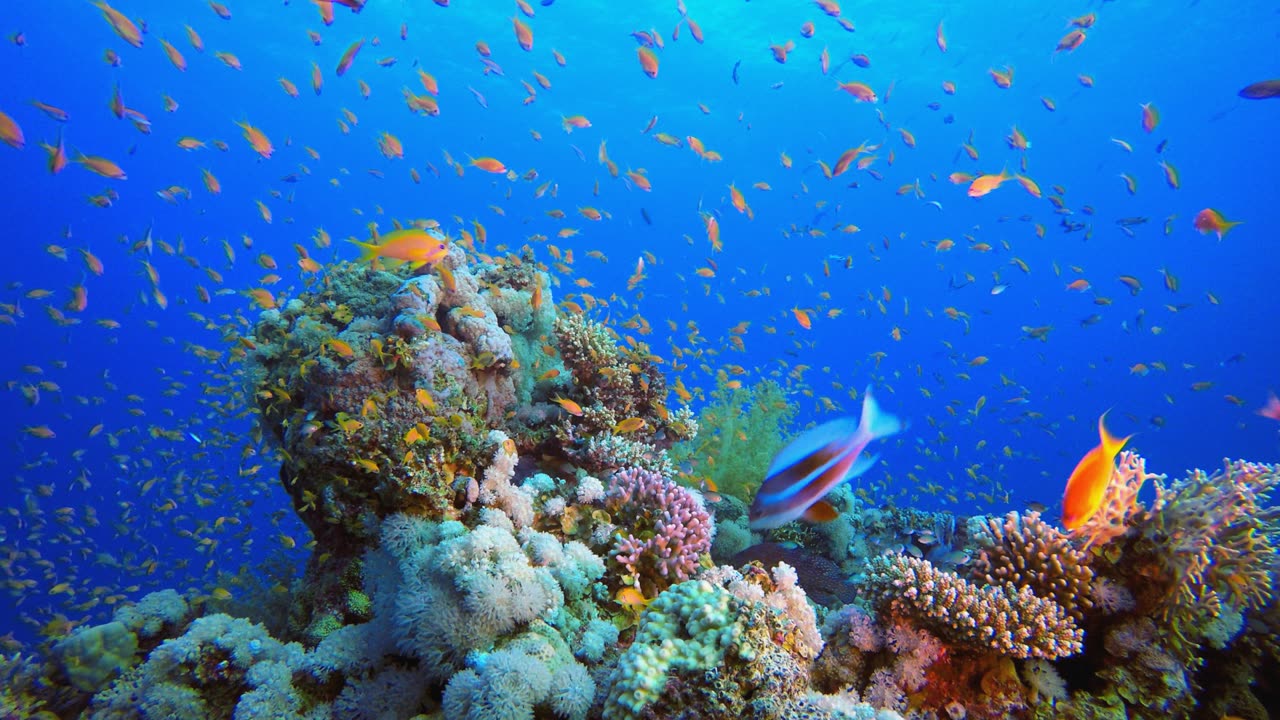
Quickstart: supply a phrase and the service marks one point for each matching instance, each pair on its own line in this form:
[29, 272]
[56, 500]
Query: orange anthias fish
[348, 57]
[414, 246]
[648, 61]
[1150, 117]
[1088, 482]
[524, 35]
[119, 22]
[861, 91]
[257, 139]
[1209, 220]
[489, 164]
[10, 133]
[984, 184]
[570, 406]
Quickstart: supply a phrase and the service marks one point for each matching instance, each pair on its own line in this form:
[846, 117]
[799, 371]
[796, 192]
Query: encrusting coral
[728, 644]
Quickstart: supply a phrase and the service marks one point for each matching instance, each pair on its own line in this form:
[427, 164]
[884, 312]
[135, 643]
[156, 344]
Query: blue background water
[1190, 59]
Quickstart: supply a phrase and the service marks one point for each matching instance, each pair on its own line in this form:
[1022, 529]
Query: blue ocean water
[1040, 399]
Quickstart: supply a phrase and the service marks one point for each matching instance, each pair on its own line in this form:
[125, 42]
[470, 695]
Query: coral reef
[621, 418]
[509, 523]
[381, 387]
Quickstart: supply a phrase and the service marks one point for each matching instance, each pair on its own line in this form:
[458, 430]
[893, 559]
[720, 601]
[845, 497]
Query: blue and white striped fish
[815, 463]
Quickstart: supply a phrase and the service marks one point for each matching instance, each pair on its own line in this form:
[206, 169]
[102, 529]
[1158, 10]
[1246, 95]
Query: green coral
[743, 428]
[359, 604]
[321, 627]
[92, 656]
[689, 627]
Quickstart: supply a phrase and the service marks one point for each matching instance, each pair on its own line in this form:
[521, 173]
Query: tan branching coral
[1006, 619]
[1028, 552]
[1217, 536]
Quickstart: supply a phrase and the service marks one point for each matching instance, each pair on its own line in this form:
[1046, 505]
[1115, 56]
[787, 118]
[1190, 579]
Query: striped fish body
[816, 462]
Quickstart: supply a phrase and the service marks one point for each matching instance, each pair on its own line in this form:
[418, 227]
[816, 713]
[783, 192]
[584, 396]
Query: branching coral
[1119, 501]
[1028, 552]
[1006, 619]
[665, 528]
[1216, 537]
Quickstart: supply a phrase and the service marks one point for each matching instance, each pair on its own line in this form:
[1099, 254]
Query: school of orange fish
[63, 497]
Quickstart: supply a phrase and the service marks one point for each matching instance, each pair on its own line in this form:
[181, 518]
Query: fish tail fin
[1226, 227]
[875, 422]
[368, 251]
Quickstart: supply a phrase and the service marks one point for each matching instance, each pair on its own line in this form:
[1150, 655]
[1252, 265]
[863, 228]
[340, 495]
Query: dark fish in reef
[645, 214]
[821, 578]
[1262, 90]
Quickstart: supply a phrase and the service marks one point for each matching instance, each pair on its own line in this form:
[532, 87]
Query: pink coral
[665, 528]
[1119, 501]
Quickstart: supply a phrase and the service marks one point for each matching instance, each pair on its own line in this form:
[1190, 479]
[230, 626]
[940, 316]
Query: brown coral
[1028, 552]
[1006, 619]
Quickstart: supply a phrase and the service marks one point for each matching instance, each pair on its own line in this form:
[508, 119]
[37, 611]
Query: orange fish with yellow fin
[1088, 482]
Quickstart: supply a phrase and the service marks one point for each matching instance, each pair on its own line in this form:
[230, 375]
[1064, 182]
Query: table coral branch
[1028, 552]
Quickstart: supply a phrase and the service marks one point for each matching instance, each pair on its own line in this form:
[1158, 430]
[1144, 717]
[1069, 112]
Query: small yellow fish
[629, 425]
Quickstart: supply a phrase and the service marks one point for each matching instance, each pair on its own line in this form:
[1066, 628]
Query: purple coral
[665, 528]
